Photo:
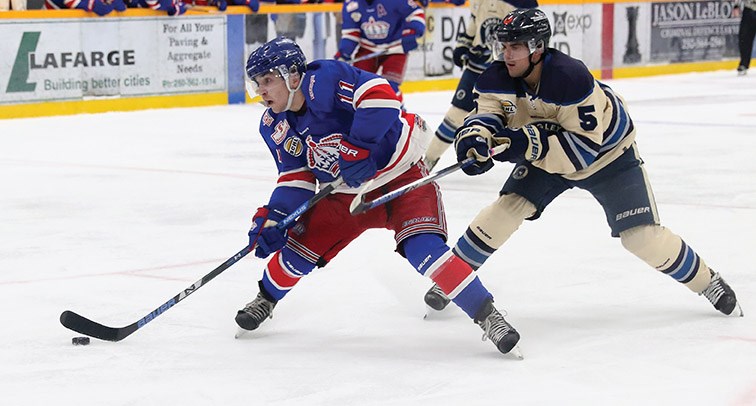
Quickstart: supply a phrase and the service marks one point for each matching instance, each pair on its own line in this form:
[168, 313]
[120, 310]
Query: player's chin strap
[533, 65]
[287, 75]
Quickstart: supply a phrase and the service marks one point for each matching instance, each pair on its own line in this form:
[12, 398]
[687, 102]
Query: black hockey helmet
[527, 25]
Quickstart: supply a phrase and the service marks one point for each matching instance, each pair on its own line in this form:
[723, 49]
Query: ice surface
[112, 214]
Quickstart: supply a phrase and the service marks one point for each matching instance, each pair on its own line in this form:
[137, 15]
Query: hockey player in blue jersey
[564, 129]
[328, 120]
[390, 28]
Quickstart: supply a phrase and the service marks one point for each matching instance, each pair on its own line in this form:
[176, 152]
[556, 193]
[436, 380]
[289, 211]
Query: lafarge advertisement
[82, 59]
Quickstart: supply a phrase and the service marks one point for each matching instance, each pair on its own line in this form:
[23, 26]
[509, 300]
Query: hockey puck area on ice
[80, 341]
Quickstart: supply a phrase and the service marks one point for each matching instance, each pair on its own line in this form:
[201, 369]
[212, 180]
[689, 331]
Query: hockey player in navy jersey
[473, 55]
[388, 27]
[328, 120]
[564, 129]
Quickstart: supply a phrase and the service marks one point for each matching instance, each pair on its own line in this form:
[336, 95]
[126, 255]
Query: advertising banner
[632, 34]
[80, 59]
[693, 31]
[576, 31]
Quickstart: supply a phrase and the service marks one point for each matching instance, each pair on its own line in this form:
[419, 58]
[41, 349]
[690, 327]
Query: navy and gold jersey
[595, 125]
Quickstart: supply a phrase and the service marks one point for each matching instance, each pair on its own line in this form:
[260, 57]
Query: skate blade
[515, 353]
[433, 314]
[240, 332]
[737, 311]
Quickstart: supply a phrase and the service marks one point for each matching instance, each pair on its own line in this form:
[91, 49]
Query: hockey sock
[284, 270]
[432, 258]
[668, 253]
[472, 249]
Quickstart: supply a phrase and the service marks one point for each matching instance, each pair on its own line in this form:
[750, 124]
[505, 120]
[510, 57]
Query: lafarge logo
[28, 59]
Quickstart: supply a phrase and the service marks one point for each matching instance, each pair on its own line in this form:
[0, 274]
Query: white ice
[110, 215]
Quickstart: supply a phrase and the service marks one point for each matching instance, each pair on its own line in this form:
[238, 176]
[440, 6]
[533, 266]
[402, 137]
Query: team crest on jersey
[280, 131]
[351, 6]
[267, 119]
[323, 154]
[355, 16]
[375, 29]
[293, 146]
[508, 107]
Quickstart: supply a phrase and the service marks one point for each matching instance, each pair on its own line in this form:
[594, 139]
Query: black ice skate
[436, 299]
[254, 313]
[501, 333]
[721, 295]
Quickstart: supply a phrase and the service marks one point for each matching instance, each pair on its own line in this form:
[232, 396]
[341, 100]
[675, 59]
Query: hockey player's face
[516, 55]
[272, 89]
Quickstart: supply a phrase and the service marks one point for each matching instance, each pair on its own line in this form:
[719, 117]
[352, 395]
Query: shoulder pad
[564, 80]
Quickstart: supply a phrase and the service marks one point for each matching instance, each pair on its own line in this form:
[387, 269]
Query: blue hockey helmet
[281, 54]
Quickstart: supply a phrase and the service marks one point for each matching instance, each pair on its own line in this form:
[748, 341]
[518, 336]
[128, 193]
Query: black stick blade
[88, 327]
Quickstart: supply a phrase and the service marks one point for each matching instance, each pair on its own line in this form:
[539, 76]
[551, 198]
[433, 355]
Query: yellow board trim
[62, 108]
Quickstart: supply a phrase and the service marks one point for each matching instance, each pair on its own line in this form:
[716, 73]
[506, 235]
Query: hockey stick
[375, 54]
[83, 325]
[359, 205]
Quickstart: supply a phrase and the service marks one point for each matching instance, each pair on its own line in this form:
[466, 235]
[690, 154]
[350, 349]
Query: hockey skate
[436, 299]
[254, 313]
[721, 295]
[495, 328]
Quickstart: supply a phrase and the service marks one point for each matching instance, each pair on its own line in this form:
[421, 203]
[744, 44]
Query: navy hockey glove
[529, 142]
[264, 232]
[479, 55]
[469, 143]
[460, 54]
[356, 163]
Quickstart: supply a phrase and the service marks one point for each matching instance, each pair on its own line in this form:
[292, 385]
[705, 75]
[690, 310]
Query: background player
[327, 120]
[389, 26]
[565, 129]
[473, 55]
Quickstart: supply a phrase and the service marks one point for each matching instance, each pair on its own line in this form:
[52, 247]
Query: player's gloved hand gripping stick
[359, 205]
[88, 327]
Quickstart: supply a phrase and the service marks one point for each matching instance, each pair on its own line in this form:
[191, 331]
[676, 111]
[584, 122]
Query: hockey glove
[340, 57]
[118, 5]
[409, 42]
[221, 4]
[479, 55]
[460, 54]
[529, 142]
[356, 161]
[264, 232]
[253, 5]
[469, 143]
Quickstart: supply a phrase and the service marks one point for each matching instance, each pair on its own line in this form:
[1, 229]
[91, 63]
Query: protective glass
[263, 82]
[510, 51]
